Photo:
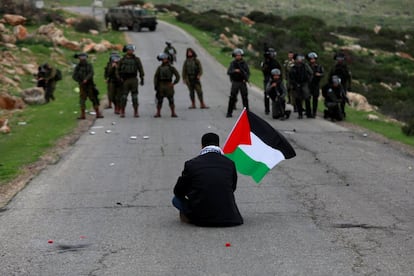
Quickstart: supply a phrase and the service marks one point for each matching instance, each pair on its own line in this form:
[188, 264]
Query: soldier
[83, 74]
[47, 80]
[276, 90]
[129, 67]
[114, 82]
[300, 76]
[171, 52]
[334, 95]
[341, 70]
[287, 65]
[314, 86]
[191, 74]
[164, 85]
[269, 63]
[239, 74]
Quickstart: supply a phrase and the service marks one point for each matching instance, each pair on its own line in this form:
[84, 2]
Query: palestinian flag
[255, 146]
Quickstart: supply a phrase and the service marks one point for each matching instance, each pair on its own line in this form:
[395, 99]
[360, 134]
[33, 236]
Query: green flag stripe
[246, 165]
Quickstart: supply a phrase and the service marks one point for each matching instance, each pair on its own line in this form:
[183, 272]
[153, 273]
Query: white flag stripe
[261, 152]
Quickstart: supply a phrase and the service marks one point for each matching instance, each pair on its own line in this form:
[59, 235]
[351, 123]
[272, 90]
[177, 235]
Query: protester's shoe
[184, 218]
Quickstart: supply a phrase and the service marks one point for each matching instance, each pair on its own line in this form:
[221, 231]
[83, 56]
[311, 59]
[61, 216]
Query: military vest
[192, 67]
[129, 66]
[166, 73]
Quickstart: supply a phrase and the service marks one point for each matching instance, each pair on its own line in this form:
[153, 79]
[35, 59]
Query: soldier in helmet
[191, 74]
[314, 85]
[334, 95]
[300, 76]
[83, 75]
[129, 67]
[269, 63]
[239, 74]
[341, 70]
[114, 82]
[46, 77]
[277, 92]
[164, 84]
[171, 52]
[287, 65]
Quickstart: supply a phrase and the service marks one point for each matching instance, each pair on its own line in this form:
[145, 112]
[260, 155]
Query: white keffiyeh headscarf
[208, 149]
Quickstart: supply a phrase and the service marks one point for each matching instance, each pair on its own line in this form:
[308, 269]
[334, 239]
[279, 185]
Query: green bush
[408, 129]
[86, 24]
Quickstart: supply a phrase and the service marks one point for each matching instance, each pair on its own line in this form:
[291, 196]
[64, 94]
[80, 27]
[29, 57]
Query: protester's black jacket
[208, 181]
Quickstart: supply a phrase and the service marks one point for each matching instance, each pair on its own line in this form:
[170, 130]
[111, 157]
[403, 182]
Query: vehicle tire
[152, 28]
[115, 26]
[136, 27]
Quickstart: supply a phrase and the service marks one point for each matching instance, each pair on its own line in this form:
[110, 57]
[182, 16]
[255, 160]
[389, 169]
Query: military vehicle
[132, 17]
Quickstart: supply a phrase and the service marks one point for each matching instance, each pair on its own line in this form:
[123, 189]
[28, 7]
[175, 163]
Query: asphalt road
[343, 206]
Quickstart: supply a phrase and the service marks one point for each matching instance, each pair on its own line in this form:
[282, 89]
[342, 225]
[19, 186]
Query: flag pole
[238, 119]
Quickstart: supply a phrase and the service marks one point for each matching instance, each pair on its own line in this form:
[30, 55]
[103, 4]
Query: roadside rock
[14, 19]
[34, 95]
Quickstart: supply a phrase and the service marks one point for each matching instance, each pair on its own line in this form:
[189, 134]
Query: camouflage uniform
[341, 70]
[164, 85]
[239, 74]
[46, 79]
[129, 66]
[83, 74]
[287, 65]
[114, 83]
[191, 73]
[300, 76]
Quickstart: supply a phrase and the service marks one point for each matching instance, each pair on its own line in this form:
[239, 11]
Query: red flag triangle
[240, 135]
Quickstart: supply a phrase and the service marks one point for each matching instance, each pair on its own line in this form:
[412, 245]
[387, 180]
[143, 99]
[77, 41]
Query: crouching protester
[83, 75]
[204, 193]
[277, 93]
[335, 98]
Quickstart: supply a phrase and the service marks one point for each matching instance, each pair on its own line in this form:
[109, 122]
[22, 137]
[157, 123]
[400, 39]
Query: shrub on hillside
[86, 24]
[408, 128]
[266, 18]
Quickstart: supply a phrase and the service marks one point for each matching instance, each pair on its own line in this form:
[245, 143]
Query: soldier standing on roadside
[269, 63]
[83, 74]
[341, 70]
[300, 76]
[287, 65]
[314, 86]
[191, 74]
[47, 79]
[114, 82]
[239, 74]
[171, 52]
[129, 67]
[164, 85]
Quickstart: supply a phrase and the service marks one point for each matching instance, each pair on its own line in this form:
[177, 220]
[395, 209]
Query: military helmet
[339, 56]
[128, 47]
[168, 42]
[336, 79]
[299, 57]
[115, 58]
[81, 56]
[312, 55]
[270, 52]
[237, 51]
[275, 71]
[162, 56]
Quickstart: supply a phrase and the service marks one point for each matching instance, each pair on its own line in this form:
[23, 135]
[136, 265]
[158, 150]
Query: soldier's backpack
[58, 75]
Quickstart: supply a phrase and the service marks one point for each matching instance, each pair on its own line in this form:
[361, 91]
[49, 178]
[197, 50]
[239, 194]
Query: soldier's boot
[173, 114]
[192, 106]
[203, 105]
[158, 113]
[82, 116]
[98, 113]
[136, 115]
[122, 112]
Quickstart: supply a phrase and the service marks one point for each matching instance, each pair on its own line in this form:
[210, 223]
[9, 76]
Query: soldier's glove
[142, 82]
